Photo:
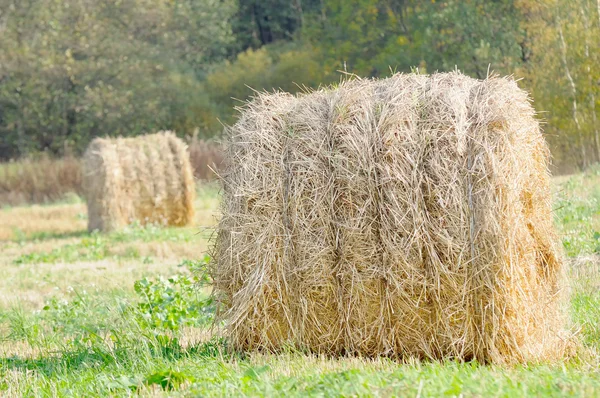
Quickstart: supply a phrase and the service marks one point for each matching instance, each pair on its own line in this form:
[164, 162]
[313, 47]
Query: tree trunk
[298, 6]
[592, 95]
[592, 87]
[563, 48]
[21, 146]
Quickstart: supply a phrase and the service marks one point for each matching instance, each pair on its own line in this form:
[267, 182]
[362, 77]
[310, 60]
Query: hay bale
[406, 217]
[147, 179]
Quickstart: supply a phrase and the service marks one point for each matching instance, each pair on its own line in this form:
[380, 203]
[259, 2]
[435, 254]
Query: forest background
[71, 70]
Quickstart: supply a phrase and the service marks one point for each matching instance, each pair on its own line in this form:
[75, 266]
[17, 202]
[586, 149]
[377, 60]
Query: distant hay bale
[404, 217]
[146, 179]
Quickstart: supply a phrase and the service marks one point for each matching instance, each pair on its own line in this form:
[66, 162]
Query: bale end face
[146, 179]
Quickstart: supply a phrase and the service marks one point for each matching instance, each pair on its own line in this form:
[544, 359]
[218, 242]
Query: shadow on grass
[45, 235]
[86, 358]
[59, 363]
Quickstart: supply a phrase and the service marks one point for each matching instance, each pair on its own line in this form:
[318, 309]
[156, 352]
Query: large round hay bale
[147, 179]
[406, 217]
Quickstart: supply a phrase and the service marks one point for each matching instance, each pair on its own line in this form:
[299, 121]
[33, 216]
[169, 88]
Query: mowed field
[129, 313]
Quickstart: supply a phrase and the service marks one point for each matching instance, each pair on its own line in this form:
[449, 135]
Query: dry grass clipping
[147, 179]
[405, 217]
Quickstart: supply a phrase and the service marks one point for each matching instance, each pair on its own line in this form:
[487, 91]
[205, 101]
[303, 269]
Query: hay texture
[405, 217]
[146, 179]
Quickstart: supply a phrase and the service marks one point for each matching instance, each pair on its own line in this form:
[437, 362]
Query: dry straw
[147, 179]
[405, 217]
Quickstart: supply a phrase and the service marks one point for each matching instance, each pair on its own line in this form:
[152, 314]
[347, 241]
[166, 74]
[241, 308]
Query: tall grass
[44, 179]
[40, 179]
[206, 158]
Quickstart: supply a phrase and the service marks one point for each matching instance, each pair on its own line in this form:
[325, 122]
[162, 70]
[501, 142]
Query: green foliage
[108, 341]
[72, 70]
[563, 73]
[79, 314]
[261, 22]
[368, 37]
[268, 68]
[169, 304]
[168, 379]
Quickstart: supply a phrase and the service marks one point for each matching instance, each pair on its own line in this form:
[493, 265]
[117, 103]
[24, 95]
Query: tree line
[71, 70]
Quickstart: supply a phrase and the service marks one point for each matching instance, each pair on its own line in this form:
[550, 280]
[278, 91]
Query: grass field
[120, 314]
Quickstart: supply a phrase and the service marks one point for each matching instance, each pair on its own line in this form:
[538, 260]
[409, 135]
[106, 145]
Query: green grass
[143, 330]
[95, 246]
[93, 344]
[577, 212]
